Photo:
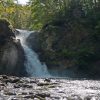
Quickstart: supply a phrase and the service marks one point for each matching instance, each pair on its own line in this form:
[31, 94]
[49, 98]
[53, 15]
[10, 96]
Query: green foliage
[18, 15]
[44, 11]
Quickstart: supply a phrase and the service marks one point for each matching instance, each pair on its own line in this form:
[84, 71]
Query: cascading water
[33, 66]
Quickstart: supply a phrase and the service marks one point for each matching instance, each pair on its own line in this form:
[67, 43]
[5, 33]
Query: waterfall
[33, 65]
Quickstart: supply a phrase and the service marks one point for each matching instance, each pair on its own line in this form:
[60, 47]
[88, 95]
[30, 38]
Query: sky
[22, 1]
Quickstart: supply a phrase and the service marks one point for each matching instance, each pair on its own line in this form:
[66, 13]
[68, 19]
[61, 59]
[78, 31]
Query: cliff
[11, 52]
[72, 43]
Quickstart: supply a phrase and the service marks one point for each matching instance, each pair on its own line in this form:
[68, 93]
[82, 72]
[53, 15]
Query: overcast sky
[23, 1]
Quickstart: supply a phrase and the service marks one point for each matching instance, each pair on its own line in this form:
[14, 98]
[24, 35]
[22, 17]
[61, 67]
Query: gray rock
[33, 41]
[12, 55]
[12, 59]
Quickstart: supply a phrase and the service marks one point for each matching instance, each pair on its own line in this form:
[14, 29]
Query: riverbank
[22, 88]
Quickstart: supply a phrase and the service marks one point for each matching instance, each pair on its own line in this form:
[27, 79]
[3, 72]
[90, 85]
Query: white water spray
[33, 65]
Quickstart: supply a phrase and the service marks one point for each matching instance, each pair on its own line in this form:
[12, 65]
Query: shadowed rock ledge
[11, 52]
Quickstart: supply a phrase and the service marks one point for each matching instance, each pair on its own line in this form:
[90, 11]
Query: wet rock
[16, 32]
[88, 98]
[6, 80]
[47, 80]
[4, 76]
[33, 41]
[31, 93]
[2, 84]
[16, 86]
[9, 93]
[14, 99]
[29, 96]
[24, 93]
[14, 80]
[1, 98]
[43, 95]
[56, 98]
[11, 80]
[32, 81]
[74, 98]
[52, 86]
[43, 84]
[26, 86]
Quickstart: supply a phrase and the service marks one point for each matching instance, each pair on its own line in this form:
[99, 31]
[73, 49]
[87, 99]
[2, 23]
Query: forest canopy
[37, 13]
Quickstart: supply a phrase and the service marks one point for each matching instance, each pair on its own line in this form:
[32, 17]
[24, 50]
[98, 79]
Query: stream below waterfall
[48, 89]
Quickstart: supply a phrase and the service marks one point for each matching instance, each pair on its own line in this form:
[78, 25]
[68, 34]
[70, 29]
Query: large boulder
[11, 52]
[33, 41]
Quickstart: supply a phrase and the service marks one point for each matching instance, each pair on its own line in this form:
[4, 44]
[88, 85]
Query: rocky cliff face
[71, 46]
[11, 53]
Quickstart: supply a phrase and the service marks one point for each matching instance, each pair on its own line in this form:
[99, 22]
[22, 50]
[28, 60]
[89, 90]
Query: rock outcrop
[33, 41]
[11, 53]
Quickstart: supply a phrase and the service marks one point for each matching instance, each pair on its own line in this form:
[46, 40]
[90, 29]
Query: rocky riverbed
[15, 88]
